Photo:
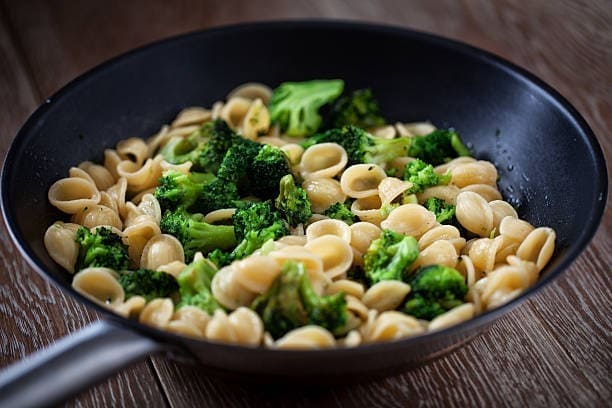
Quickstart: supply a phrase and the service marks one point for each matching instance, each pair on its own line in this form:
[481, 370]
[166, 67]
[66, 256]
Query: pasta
[303, 277]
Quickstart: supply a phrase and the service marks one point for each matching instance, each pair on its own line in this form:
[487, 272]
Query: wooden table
[554, 350]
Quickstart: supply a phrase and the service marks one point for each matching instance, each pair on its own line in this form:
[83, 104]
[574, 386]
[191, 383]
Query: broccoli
[237, 161]
[290, 302]
[361, 146]
[341, 211]
[194, 285]
[205, 148]
[195, 234]
[445, 213]
[422, 176]
[389, 257]
[177, 189]
[102, 248]
[438, 147]
[295, 105]
[292, 202]
[254, 225]
[435, 289]
[357, 109]
[148, 283]
[217, 194]
[266, 170]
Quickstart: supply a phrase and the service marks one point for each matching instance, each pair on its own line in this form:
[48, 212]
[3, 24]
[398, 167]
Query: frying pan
[552, 170]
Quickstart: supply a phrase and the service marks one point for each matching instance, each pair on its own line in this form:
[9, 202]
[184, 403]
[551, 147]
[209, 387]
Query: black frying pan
[551, 167]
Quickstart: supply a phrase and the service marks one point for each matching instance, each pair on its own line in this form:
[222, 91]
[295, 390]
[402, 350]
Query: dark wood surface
[553, 350]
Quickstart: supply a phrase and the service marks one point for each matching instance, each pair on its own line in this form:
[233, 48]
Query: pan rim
[554, 97]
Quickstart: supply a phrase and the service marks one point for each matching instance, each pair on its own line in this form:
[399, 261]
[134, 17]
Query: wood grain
[33, 313]
[554, 350]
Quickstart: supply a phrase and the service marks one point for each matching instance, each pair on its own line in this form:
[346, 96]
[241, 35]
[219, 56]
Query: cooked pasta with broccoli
[295, 217]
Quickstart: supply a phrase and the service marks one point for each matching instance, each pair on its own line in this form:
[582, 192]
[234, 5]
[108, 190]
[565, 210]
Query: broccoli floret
[422, 176]
[341, 211]
[361, 146]
[255, 216]
[266, 170]
[290, 302]
[438, 147]
[194, 285]
[178, 189]
[435, 289]
[254, 225]
[295, 105]
[148, 283]
[389, 257]
[195, 234]
[445, 213]
[292, 202]
[205, 148]
[103, 248]
[236, 163]
[217, 194]
[357, 109]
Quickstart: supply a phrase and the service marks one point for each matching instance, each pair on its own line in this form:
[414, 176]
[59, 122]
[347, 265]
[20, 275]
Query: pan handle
[52, 375]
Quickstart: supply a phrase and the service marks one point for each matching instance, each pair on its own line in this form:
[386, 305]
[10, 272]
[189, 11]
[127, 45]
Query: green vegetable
[438, 147]
[290, 302]
[195, 286]
[292, 202]
[358, 109]
[148, 284]
[422, 176]
[295, 105]
[103, 248]
[254, 225]
[361, 146]
[217, 194]
[267, 169]
[177, 189]
[341, 211]
[195, 234]
[205, 148]
[389, 257]
[236, 164]
[445, 213]
[435, 289]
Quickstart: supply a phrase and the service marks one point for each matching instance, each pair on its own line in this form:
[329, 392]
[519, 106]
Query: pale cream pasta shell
[452, 317]
[61, 246]
[447, 193]
[329, 227]
[438, 253]
[538, 247]
[350, 287]
[362, 180]
[99, 285]
[474, 213]
[514, 228]
[386, 295]
[252, 91]
[111, 161]
[335, 253]
[323, 192]
[234, 111]
[118, 192]
[414, 128]
[446, 167]
[161, 250]
[384, 132]
[137, 236]
[488, 192]
[256, 121]
[184, 168]
[437, 233]
[293, 151]
[480, 172]
[323, 160]
[133, 149]
[391, 188]
[96, 215]
[194, 115]
[362, 235]
[410, 219]
[501, 209]
[150, 206]
[71, 195]
[307, 337]
[157, 313]
[312, 263]
[102, 178]
[131, 307]
[173, 268]
[391, 325]
[140, 177]
[216, 216]
[368, 209]
[483, 253]
[243, 326]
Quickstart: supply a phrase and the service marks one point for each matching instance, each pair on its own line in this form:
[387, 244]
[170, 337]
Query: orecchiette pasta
[122, 209]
